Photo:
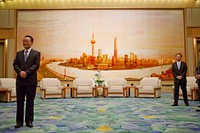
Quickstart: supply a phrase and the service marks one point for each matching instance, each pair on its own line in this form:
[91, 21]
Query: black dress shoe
[18, 125]
[29, 124]
[174, 104]
[198, 110]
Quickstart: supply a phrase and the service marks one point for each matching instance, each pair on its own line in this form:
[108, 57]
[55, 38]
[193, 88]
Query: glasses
[26, 41]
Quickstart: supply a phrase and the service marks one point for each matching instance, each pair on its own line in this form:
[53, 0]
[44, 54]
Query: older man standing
[26, 64]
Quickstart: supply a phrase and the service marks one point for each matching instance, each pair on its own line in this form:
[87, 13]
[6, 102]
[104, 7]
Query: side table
[7, 93]
[71, 89]
[134, 91]
[104, 90]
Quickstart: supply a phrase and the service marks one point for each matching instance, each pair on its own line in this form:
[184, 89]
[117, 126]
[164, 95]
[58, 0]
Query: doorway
[2, 58]
[198, 48]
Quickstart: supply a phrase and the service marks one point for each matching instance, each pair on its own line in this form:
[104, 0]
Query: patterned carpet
[112, 115]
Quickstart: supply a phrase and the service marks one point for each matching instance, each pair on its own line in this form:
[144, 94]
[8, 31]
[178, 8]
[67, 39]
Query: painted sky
[67, 33]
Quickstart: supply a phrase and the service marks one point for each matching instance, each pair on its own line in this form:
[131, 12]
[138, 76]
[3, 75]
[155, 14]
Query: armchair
[51, 88]
[115, 87]
[83, 87]
[7, 89]
[191, 89]
[149, 87]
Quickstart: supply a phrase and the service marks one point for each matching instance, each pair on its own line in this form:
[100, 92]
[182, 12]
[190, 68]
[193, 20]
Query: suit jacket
[197, 71]
[182, 72]
[30, 66]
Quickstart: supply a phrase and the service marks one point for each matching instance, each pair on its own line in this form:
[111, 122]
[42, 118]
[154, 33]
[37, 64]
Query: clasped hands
[179, 77]
[23, 74]
[198, 76]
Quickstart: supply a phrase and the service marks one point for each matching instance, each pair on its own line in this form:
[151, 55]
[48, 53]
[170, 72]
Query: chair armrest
[74, 87]
[138, 86]
[3, 87]
[107, 86]
[194, 88]
[42, 88]
[6, 88]
[124, 86]
[92, 86]
[157, 87]
[9, 89]
[61, 87]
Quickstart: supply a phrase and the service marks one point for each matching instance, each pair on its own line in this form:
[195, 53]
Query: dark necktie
[25, 55]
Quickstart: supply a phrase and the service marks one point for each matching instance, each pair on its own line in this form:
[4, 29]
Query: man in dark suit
[26, 64]
[198, 81]
[179, 70]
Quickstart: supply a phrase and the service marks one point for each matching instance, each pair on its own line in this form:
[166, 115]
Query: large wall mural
[119, 43]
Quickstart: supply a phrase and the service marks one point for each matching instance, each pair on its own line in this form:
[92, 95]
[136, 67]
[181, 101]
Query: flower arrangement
[99, 80]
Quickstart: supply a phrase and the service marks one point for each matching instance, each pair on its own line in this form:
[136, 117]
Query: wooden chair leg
[93, 92]
[44, 94]
[192, 92]
[106, 92]
[7, 100]
[73, 89]
[137, 92]
[124, 92]
[63, 93]
[76, 92]
[10, 96]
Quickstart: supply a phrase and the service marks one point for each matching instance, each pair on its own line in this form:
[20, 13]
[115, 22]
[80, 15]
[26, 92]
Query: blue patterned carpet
[112, 115]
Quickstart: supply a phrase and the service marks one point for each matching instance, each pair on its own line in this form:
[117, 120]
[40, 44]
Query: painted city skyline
[60, 35]
[101, 61]
[66, 33]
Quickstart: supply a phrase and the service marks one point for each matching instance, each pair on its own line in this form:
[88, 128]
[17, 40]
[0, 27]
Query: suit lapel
[176, 65]
[181, 65]
[22, 55]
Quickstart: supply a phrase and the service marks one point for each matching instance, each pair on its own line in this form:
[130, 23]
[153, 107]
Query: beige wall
[193, 19]
[7, 32]
[7, 19]
[10, 56]
[192, 31]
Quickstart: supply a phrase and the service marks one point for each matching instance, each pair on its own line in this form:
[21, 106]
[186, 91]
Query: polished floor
[110, 115]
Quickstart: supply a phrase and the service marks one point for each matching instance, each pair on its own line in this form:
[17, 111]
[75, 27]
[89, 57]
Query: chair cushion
[84, 89]
[191, 81]
[83, 82]
[147, 88]
[52, 90]
[50, 82]
[150, 81]
[115, 89]
[116, 82]
[8, 82]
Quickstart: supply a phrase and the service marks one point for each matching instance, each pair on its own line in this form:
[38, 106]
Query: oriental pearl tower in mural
[93, 42]
[92, 58]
